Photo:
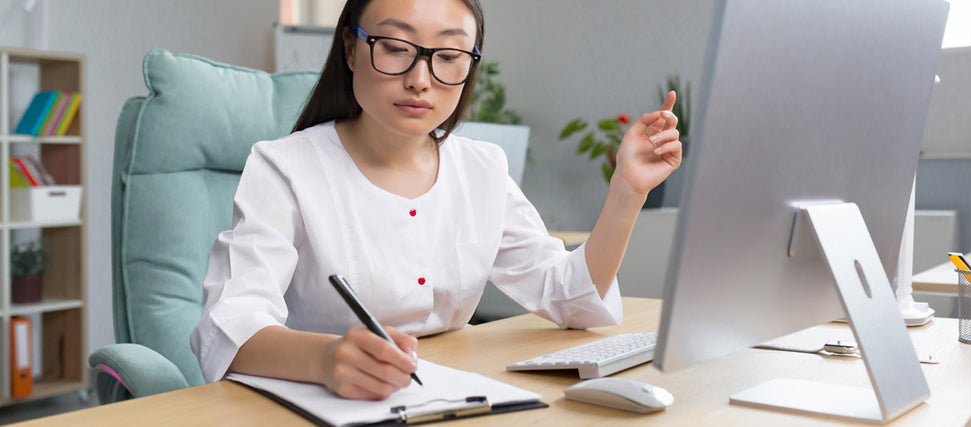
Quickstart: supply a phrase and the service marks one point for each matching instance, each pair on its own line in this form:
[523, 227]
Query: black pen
[372, 324]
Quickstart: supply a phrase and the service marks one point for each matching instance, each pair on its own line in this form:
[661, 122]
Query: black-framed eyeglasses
[395, 57]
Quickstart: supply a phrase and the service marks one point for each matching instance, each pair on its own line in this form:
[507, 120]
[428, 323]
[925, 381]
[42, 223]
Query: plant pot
[514, 140]
[26, 289]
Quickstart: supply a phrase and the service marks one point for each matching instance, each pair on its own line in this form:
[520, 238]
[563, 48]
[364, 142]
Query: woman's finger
[353, 362]
[357, 384]
[407, 343]
[670, 120]
[642, 125]
[669, 100]
[664, 137]
[382, 350]
[668, 147]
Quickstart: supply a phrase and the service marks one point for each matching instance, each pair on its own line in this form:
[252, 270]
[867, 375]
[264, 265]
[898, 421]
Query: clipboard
[448, 394]
[473, 406]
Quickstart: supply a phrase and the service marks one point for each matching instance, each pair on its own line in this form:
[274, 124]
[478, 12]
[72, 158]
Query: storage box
[48, 204]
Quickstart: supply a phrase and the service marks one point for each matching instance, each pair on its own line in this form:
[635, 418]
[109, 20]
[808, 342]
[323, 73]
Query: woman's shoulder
[322, 134]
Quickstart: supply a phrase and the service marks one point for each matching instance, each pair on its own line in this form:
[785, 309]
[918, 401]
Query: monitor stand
[868, 300]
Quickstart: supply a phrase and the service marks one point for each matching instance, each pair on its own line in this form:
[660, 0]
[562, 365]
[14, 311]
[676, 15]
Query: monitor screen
[801, 101]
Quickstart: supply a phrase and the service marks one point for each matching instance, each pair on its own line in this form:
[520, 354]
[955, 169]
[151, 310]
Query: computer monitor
[802, 102]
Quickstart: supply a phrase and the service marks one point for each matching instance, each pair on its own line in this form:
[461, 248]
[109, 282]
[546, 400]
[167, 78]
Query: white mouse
[621, 393]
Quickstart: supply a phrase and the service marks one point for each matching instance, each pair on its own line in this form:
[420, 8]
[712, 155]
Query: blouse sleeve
[250, 266]
[535, 270]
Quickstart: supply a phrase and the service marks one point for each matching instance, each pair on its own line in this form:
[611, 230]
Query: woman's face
[415, 103]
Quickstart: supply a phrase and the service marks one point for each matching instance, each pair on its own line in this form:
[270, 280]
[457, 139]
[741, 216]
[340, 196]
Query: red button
[413, 212]
[421, 280]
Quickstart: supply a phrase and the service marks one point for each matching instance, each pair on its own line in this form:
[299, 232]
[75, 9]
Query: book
[40, 172]
[57, 113]
[72, 110]
[36, 113]
[25, 170]
[447, 394]
[17, 178]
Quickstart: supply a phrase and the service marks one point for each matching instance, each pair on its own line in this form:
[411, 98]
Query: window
[958, 30]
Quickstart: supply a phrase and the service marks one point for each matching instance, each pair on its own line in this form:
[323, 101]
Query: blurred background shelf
[58, 319]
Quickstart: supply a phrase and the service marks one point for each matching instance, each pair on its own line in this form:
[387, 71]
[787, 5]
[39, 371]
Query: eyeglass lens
[450, 66]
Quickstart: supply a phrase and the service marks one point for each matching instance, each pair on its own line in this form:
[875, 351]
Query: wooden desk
[941, 278]
[571, 238]
[701, 392]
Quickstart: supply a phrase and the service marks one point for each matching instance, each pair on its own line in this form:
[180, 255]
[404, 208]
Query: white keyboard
[598, 358]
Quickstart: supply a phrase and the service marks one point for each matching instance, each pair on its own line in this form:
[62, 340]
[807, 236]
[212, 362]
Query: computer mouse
[621, 393]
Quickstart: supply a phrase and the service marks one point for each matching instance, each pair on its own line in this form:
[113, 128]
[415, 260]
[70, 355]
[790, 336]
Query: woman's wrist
[322, 361]
[624, 195]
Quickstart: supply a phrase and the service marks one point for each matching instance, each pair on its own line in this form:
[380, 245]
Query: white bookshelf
[62, 331]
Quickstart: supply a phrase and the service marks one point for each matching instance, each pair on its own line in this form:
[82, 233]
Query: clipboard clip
[442, 409]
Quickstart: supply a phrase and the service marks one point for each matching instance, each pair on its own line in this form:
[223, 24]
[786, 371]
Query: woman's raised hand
[650, 150]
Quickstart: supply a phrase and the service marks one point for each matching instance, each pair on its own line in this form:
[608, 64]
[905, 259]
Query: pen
[372, 324]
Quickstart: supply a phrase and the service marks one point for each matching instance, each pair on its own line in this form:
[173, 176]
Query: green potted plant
[27, 263]
[488, 119]
[488, 103]
[605, 138]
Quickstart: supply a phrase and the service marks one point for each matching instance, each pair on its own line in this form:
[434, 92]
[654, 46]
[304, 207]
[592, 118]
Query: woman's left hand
[650, 150]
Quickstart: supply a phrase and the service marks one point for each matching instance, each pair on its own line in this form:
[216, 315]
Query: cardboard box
[47, 204]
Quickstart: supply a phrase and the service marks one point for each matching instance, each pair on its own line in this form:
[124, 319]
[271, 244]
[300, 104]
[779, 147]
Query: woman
[372, 186]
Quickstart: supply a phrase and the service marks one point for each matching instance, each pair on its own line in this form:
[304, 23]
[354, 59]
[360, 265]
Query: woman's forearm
[608, 241]
[279, 352]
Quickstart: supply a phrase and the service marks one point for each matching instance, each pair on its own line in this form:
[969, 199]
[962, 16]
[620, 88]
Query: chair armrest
[125, 371]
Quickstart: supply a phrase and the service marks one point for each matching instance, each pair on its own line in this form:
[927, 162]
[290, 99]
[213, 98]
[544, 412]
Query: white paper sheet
[442, 385]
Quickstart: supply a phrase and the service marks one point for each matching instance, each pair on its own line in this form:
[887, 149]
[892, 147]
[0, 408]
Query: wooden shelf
[27, 139]
[60, 315]
[45, 305]
[29, 225]
[44, 389]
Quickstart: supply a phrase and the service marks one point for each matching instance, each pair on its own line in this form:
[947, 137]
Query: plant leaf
[586, 143]
[609, 124]
[608, 171]
[574, 126]
[598, 149]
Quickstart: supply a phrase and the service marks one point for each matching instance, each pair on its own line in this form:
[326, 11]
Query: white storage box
[48, 204]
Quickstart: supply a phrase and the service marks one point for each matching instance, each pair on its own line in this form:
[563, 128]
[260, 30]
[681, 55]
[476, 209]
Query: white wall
[115, 35]
[562, 59]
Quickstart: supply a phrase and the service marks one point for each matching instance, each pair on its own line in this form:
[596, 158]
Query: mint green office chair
[179, 152]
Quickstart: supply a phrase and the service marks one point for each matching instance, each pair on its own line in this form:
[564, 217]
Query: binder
[448, 394]
[25, 170]
[36, 113]
[56, 112]
[72, 110]
[21, 371]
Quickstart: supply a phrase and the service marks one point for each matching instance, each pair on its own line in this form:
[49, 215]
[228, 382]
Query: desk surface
[701, 392]
[571, 238]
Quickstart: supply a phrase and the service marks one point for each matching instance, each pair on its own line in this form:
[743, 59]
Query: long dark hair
[333, 95]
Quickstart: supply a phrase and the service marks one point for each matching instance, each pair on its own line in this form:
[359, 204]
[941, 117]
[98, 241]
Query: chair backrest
[179, 152]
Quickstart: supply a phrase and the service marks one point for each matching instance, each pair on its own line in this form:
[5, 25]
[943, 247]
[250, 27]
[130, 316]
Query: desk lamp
[914, 313]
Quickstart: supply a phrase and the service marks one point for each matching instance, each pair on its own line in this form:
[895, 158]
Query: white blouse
[303, 211]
